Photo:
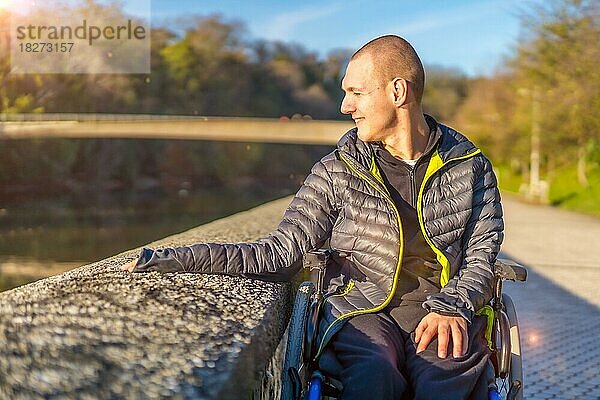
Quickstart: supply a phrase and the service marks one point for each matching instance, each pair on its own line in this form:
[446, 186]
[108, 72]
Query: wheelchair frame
[301, 378]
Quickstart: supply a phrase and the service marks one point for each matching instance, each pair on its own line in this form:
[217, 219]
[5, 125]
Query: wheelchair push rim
[294, 377]
[510, 387]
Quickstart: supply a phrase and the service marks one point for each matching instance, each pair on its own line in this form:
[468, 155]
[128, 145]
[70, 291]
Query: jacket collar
[450, 144]
[453, 144]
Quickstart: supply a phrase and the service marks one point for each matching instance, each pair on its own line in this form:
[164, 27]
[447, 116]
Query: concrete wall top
[98, 332]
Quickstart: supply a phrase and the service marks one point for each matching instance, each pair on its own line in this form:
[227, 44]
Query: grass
[564, 188]
[566, 192]
[508, 180]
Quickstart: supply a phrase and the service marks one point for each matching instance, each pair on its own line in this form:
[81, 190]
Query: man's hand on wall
[445, 327]
[129, 267]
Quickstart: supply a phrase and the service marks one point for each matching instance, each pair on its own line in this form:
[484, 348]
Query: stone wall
[97, 332]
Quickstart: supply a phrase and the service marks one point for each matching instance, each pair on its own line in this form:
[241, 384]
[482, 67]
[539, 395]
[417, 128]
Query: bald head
[393, 57]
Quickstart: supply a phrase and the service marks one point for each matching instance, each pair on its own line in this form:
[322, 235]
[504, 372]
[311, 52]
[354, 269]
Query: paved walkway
[559, 305]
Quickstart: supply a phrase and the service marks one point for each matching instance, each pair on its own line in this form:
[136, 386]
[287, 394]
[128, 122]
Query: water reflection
[16, 271]
[65, 203]
[39, 240]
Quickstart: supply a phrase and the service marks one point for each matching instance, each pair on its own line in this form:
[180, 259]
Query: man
[415, 205]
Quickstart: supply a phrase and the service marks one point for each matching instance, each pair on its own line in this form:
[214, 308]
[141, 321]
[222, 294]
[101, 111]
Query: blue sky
[472, 35]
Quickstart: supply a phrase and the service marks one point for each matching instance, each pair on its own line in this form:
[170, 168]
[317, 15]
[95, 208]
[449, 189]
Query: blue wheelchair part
[315, 387]
[494, 395]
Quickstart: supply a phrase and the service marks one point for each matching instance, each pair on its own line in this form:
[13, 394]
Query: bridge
[264, 130]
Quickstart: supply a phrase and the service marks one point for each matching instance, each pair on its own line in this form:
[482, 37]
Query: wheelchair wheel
[516, 362]
[294, 375]
[511, 385]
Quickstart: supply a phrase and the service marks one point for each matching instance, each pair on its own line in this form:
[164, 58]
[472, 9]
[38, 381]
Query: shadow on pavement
[560, 332]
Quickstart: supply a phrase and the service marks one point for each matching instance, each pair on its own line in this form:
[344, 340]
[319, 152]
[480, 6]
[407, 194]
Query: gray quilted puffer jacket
[344, 199]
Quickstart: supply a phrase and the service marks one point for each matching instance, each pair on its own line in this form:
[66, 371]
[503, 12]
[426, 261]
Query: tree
[486, 116]
[559, 57]
[206, 68]
[445, 91]
[16, 91]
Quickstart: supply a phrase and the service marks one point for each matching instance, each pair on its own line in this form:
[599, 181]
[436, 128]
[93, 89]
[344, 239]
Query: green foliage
[509, 179]
[16, 91]
[486, 116]
[551, 83]
[566, 192]
[445, 90]
[559, 60]
[209, 70]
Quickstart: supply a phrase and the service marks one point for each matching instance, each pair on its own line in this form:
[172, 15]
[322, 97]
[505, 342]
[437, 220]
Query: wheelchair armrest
[319, 258]
[316, 259]
[510, 270]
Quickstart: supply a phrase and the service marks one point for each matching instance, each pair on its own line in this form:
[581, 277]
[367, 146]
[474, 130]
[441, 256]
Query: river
[50, 231]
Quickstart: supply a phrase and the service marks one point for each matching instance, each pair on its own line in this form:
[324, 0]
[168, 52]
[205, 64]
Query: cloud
[284, 24]
[445, 18]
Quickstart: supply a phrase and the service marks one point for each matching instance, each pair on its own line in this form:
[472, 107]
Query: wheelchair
[303, 380]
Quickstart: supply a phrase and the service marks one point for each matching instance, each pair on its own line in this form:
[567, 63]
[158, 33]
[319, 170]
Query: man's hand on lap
[445, 327]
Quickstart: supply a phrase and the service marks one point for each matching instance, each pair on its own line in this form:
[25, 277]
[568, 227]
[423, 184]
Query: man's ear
[400, 88]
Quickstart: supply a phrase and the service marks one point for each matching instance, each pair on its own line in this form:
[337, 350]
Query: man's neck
[410, 138]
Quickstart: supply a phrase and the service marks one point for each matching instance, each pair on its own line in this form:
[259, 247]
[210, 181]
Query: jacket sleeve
[472, 287]
[306, 225]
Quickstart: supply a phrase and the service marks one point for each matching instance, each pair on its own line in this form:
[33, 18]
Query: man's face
[369, 100]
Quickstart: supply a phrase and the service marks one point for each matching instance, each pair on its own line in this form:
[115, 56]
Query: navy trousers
[378, 362]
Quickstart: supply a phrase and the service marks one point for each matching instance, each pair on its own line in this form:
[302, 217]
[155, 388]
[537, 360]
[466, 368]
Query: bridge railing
[86, 117]
[99, 332]
[265, 130]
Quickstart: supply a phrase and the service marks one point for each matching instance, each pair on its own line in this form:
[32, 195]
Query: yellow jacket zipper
[435, 164]
[386, 195]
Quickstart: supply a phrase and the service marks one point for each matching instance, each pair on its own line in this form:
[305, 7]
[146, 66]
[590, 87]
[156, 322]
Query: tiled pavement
[559, 305]
[560, 335]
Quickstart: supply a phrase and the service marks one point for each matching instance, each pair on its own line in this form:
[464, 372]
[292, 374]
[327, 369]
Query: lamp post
[537, 189]
[534, 172]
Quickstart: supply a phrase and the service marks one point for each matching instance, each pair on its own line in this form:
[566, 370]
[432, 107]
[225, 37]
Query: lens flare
[533, 339]
[4, 4]
[17, 6]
